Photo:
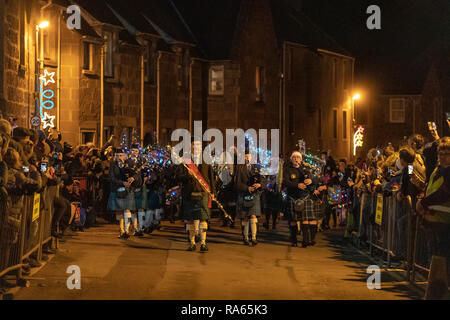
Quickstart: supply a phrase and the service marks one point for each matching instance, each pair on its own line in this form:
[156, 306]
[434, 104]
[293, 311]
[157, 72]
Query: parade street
[158, 266]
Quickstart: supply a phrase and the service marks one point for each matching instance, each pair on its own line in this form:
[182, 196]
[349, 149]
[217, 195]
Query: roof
[294, 26]
[99, 10]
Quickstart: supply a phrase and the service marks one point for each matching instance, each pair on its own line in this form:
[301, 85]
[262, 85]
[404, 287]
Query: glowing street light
[357, 96]
[43, 25]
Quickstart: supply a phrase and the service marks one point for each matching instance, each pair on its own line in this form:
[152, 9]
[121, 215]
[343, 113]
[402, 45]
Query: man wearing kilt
[135, 162]
[248, 187]
[196, 203]
[121, 199]
[296, 180]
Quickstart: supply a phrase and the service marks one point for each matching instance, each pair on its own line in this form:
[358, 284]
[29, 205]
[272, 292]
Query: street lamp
[43, 25]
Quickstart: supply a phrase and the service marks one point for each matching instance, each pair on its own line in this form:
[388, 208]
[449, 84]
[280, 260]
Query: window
[344, 74]
[259, 78]
[319, 125]
[290, 67]
[335, 131]
[397, 110]
[149, 64]
[344, 123]
[87, 136]
[335, 76]
[291, 120]
[180, 69]
[109, 50]
[87, 56]
[216, 80]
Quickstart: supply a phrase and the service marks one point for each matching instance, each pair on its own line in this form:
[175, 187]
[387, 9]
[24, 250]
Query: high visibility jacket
[437, 197]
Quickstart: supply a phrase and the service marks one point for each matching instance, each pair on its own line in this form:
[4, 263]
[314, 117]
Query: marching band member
[296, 181]
[227, 195]
[121, 199]
[249, 188]
[135, 163]
[196, 203]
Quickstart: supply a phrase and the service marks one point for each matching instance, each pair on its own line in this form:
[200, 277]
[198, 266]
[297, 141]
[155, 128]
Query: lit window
[397, 110]
[216, 80]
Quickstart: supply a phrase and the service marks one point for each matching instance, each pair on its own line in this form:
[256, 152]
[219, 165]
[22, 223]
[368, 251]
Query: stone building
[258, 64]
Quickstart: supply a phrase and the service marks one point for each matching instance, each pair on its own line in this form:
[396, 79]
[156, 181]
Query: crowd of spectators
[33, 160]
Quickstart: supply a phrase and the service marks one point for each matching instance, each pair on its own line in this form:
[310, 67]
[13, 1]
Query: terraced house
[157, 65]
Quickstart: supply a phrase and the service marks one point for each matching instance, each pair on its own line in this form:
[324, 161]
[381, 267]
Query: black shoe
[294, 244]
[246, 242]
[203, 248]
[192, 247]
[139, 234]
[312, 243]
[254, 242]
[304, 245]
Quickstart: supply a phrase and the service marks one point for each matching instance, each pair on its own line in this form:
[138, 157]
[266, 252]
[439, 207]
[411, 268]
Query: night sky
[394, 59]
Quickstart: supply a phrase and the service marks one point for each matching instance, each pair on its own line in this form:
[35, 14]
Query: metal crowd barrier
[34, 232]
[392, 230]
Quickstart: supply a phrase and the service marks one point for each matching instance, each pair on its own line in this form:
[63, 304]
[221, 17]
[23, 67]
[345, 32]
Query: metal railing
[393, 232]
[25, 230]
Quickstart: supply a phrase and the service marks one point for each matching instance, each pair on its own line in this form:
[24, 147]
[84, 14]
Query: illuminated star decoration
[47, 77]
[48, 120]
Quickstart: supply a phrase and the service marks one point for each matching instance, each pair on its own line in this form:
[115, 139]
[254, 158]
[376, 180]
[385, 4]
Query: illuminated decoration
[48, 77]
[48, 121]
[358, 139]
[45, 99]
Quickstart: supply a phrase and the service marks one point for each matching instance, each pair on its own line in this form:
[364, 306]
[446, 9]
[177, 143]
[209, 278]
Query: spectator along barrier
[389, 226]
[25, 230]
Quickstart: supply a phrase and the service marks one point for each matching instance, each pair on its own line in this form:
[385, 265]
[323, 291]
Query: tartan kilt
[118, 204]
[313, 210]
[242, 212]
[196, 210]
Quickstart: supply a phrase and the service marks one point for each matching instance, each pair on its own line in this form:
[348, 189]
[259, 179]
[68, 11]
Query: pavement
[158, 267]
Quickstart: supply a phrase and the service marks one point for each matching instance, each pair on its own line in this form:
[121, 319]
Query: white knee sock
[197, 227]
[148, 218]
[126, 220]
[135, 221]
[203, 228]
[122, 226]
[191, 230]
[245, 224]
[253, 224]
[141, 216]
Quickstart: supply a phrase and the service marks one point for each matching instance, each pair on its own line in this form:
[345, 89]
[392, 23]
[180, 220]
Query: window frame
[259, 82]
[391, 118]
[210, 80]
[335, 124]
[82, 131]
[344, 124]
[109, 54]
[91, 56]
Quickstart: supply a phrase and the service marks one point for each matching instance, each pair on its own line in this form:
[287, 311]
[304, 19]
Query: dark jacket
[190, 184]
[291, 178]
[245, 178]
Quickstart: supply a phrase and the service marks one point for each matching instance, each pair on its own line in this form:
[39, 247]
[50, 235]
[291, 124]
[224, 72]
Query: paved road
[158, 267]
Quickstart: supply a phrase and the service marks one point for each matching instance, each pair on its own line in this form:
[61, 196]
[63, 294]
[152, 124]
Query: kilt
[313, 210]
[243, 212]
[153, 200]
[117, 204]
[139, 199]
[196, 210]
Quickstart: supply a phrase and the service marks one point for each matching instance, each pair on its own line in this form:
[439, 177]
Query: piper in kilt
[196, 203]
[249, 188]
